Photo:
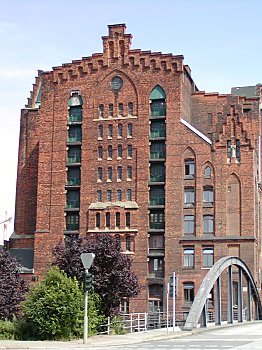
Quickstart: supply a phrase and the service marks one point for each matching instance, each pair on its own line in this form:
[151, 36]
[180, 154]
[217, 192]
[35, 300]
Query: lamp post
[87, 259]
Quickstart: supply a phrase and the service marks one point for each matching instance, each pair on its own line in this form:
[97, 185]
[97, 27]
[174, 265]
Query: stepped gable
[34, 93]
[117, 50]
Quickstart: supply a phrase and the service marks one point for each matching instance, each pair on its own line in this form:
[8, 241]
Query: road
[246, 337]
[239, 337]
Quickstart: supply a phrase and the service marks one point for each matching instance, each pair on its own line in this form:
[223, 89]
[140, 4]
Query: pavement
[109, 340]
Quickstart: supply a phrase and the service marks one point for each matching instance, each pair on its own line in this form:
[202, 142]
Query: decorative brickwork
[144, 156]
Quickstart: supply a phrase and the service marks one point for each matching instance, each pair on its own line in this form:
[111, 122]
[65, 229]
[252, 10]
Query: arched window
[75, 108]
[233, 206]
[157, 102]
[207, 172]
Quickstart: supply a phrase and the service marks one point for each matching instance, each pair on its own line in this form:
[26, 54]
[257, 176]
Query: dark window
[73, 176]
[129, 172]
[120, 109]
[72, 221]
[130, 108]
[74, 134]
[100, 152]
[110, 152]
[109, 173]
[75, 114]
[128, 243]
[129, 151]
[109, 196]
[189, 224]
[208, 196]
[157, 219]
[189, 168]
[157, 172]
[189, 257]
[189, 197]
[100, 131]
[120, 130]
[208, 172]
[156, 241]
[229, 149]
[124, 306]
[110, 131]
[119, 195]
[158, 150]
[99, 196]
[128, 219]
[188, 293]
[158, 108]
[98, 222]
[119, 173]
[157, 129]
[208, 224]
[130, 130]
[73, 199]
[129, 194]
[100, 174]
[119, 151]
[74, 154]
[208, 257]
[118, 219]
[108, 220]
[238, 150]
[110, 110]
[210, 118]
[101, 111]
[157, 195]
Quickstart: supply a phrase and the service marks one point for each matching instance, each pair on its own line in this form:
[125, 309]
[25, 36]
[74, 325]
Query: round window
[116, 83]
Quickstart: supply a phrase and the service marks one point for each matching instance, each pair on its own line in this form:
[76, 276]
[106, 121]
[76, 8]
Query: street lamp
[87, 260]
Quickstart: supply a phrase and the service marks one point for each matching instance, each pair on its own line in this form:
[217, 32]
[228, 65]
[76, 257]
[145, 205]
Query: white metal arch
[207, 284]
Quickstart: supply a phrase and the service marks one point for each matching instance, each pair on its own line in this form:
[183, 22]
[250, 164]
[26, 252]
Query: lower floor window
[188, 292]
[124, 306]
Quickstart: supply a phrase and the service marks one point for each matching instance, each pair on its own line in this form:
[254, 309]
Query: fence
[137, 322]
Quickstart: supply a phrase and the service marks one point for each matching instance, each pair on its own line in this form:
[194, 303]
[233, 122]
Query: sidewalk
[97, 341]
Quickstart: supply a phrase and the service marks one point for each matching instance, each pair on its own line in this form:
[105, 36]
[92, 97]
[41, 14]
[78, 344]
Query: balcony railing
[156, 225]
[157, 154]
[72, 227]
[157, 133]
[73, 203]
[157, 178]
[158, 111]
[157, 201]
[74, 159]
[156, 274]
[73, 181]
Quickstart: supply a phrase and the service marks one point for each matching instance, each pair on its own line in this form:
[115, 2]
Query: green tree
[12, 287]
[54, 307]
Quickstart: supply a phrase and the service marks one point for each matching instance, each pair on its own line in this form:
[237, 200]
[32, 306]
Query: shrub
[7, 330]
[54, 307]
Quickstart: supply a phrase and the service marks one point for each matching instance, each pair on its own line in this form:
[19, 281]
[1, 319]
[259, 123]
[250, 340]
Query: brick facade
[187, 175]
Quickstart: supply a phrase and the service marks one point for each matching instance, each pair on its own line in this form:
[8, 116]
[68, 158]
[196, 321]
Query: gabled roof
[197, 132]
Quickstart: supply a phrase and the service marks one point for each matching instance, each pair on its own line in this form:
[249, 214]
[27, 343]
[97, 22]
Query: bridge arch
[213, 276]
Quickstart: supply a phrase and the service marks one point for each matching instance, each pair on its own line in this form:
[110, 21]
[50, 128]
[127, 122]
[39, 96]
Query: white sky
[220, 39]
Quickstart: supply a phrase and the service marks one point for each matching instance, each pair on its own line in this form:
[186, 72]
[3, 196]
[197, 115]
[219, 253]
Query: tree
[113, 278]
[12, 286]
[54, 307]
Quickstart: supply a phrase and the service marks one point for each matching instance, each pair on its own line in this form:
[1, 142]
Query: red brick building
[124, 143]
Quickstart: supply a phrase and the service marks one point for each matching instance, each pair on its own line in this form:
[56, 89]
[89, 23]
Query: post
[86, 314]
[108, 325]
[240, 296]
[230, 297]
[174, 301]
[218, 302]
[167, 305]
[248, 301]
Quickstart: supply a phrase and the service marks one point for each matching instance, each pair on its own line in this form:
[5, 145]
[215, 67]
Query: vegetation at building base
[12, 287]
[54, 308]
[113, 278]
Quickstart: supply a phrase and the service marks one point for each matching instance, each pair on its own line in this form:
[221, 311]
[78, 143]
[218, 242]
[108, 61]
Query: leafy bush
[12, 287]
[96, 319]
[7, 330]
[54, 307]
